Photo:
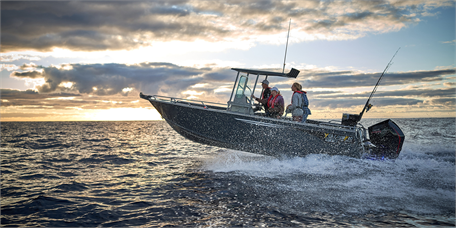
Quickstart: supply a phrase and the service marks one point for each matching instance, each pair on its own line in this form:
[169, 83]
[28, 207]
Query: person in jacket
[295, 108]
[275, 104]
[265, 95]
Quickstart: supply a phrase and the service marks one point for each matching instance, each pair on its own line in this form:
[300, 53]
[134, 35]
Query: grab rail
[177, 100]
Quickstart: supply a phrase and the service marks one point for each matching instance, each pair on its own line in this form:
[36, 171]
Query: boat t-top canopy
[242, 101]
[292, 74]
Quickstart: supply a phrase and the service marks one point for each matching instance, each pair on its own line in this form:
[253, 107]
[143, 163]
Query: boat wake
[421, 182]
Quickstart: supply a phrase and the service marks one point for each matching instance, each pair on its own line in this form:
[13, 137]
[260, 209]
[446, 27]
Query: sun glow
[67, 84]
[61, 98]
[192, 93]
[128, 89]
[120, 114]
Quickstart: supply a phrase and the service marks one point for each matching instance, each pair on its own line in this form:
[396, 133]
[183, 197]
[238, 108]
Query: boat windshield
[242, 101]
[243, 89]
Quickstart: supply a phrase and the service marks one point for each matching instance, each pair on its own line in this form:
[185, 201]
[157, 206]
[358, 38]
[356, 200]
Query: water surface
[144, 173]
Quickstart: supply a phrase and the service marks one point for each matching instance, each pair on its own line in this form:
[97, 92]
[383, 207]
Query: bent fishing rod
[368, 105]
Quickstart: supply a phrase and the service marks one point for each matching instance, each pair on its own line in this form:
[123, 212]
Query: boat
[238, 125]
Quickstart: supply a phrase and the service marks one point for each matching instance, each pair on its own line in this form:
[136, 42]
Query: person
[305, 106]
[275, 104]
[299, 106]
[264, 95]
[295, 108]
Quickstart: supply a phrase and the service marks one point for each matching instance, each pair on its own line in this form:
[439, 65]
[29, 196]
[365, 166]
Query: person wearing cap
[264, 95]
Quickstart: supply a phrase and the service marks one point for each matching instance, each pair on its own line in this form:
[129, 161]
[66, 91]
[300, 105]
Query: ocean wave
[144, 174]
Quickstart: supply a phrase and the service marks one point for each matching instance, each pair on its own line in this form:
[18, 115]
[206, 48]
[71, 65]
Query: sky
[89, 60]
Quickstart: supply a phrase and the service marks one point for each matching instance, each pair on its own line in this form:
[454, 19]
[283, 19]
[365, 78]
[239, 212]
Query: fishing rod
[368, 106]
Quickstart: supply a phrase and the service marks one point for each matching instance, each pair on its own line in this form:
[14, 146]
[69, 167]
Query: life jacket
[262, 94]
[271, 105]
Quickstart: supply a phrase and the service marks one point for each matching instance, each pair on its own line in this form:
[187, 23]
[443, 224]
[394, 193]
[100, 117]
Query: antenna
[285, 58]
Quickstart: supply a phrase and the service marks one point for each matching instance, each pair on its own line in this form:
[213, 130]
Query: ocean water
[93, 174]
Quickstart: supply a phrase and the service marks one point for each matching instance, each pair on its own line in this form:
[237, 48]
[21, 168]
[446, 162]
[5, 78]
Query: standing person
[275, 104]
[305, 106]
[265, 95]
[296, 103]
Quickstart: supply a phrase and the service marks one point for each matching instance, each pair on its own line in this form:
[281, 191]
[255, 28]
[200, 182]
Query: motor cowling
[350, 119]
[388, 139]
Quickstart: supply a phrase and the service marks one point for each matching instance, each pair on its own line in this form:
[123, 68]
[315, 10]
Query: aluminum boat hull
[256, 134]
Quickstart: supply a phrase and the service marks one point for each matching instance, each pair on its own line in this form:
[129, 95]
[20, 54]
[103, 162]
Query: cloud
[352, 79]
[9, 94]
[26, 115]
[31, 99]
[444, 102]
[109, 79]
[423, 93]
[449, 42]
[170, 79]
[449, 84]
[13, 57]
[118, 25]
[349, 103]
[103, 86]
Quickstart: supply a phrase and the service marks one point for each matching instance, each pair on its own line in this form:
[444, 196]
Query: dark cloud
[118, 25]
[99, 25]
[331, 80]
[220, 75]
[316, 93]
[54, 104]
[374, 10]
[29, 74]
[8, 94]
[451, 102]
[353, 102]
[109, 79]
[451, 92]
[424, 93]
[327, 24]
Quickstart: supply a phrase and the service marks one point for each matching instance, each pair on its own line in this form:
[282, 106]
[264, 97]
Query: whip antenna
[286, 47]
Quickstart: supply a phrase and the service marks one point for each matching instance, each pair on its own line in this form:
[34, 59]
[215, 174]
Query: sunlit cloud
[10, 57]
[170, 79]
[67, 84]
[60, 98]
[208, 25]
[326, 89]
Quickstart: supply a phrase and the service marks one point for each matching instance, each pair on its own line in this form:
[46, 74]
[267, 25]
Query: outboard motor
[388, 139]
[350, 119]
